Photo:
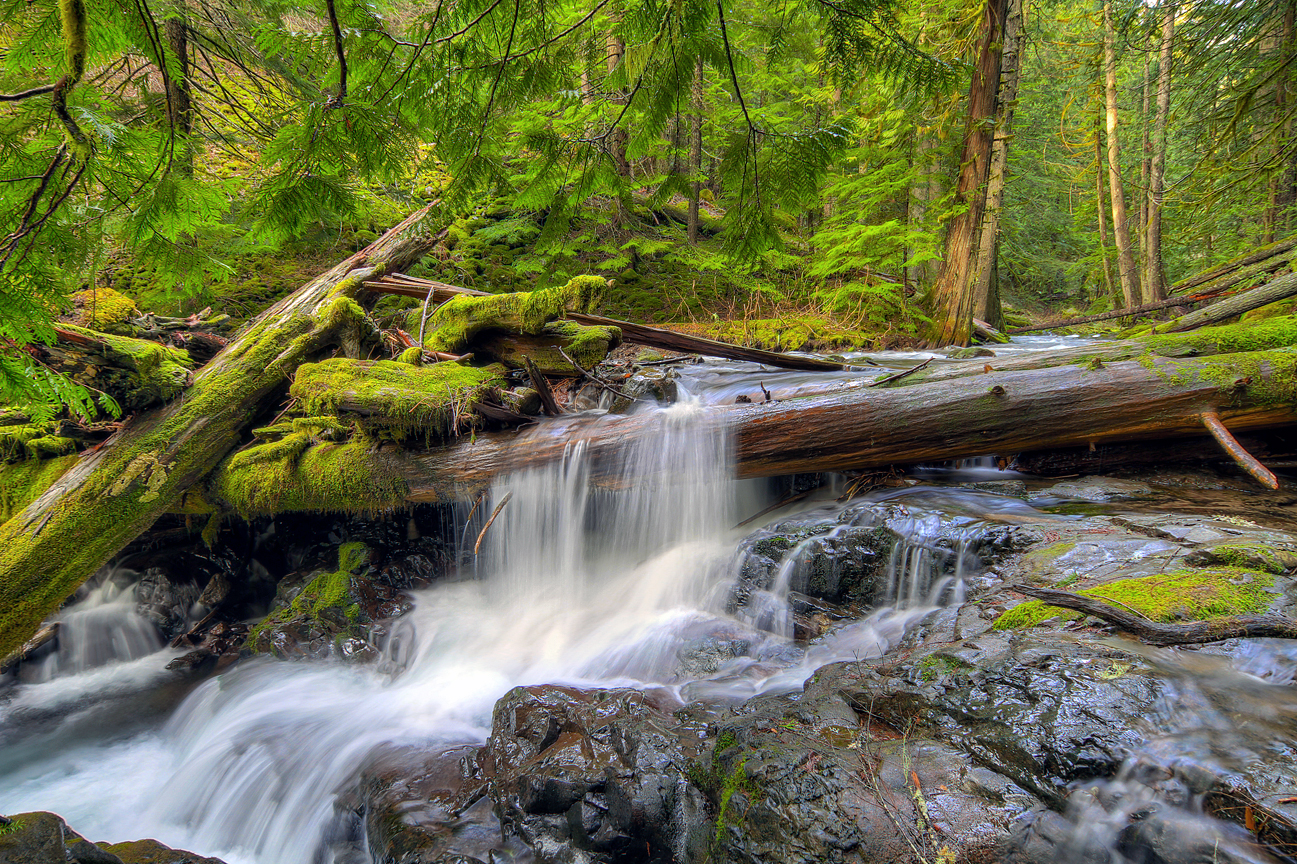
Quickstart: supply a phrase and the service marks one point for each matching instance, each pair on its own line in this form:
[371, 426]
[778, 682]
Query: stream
[659, 588]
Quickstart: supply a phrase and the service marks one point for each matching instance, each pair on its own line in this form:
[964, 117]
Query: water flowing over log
[118, 491]
[1155, 633]
[1001, 413]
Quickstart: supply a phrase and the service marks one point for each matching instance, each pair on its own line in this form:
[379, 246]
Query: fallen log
[1280, 288]
[858, 428]
[1155, 633]
[116, 493]
[1107, 316]
[641, 334]
[1254, 262]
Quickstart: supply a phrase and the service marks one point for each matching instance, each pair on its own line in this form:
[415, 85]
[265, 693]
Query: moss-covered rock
[588, 346]
[137, 373]
[430, 402]
[1188, 594]
[105, 310]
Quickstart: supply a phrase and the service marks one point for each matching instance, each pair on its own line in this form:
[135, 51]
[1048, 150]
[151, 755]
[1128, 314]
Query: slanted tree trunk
[696, 151]
[986, 304]
[117, 492]
[955, 290]
[1126, 268]
[1154, 284]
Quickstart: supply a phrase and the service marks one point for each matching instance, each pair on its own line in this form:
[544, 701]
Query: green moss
[453, 325]
[429, 401]
[160, 372]
[802, 332]
[1166, 597]
[325, 592]
[412, 355]
[295, 474]
[24, 482]
[105, 310]
[33, 441]
[1272, 310]
[935, 666]
[1227, 339]
[1245, 555]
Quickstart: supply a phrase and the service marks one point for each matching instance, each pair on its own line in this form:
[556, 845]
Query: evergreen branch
[471, 24]
[738, 92]
[432, 28]
[486, 114]
[28, 94]
[584, 20]
[337, 101]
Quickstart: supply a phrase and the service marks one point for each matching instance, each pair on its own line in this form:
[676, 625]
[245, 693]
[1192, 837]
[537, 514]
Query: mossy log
[863, 428]
[588, 346]
[137, 373]
[1280, 288]
[454, 325]
[116, 493]
[425, 402]
[1258, 261]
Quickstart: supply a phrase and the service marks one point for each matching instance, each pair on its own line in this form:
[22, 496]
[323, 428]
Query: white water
[592, 588]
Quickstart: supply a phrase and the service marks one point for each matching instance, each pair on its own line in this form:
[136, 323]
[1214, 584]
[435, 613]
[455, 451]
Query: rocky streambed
[851, 681]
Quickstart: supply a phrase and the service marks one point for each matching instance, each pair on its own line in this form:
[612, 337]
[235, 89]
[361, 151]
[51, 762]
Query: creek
[654, 587]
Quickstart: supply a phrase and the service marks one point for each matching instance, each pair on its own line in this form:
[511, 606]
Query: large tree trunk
[1103, 219]
[954, 293]
[1154, 285]
[986, 303]
[1276, 289]
[118, 491]
[1126, 268]
[1000, 412]
[180, 113]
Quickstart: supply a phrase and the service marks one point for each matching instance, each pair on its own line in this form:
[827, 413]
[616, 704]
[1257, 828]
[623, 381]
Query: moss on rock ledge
[1166, 597]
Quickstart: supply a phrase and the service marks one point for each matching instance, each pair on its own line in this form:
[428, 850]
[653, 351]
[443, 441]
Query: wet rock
[44, 838]
[969, 353]
[804, 781]
[595, 776]
[1098, 489]
[1039, 712]
[165, 602]
[424, 806]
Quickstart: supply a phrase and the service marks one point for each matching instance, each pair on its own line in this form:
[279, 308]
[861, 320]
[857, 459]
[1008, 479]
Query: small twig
[547, 400]
[899, 375]
[477, 547]
[782, 502]
[689, 358]
[611, 389]
[764, 391]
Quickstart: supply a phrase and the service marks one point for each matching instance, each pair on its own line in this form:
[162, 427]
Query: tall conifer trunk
[1126, 267]
[1154, 285]
[986, 304]
[696, 151]
[955, 290]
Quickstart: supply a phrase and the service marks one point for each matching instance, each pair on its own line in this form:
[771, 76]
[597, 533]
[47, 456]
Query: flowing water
[594, 588]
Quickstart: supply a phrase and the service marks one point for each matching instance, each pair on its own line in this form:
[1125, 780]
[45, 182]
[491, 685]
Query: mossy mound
[23, 482]
[1189, 594]
[33, 441]
[400, 400]
[105, 310]
[453, 326]
[325, 599]
[588, 346]
[298, 474]
[137, 373]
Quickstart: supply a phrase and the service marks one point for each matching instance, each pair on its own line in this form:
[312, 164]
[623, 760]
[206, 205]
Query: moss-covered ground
[1188, 594]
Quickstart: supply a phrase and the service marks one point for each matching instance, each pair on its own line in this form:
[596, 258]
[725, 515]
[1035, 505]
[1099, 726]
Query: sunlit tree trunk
[1154, 287]
[986, 305]
[1145, 166]
[1283, 180]
[954, 293]
[1126, 268]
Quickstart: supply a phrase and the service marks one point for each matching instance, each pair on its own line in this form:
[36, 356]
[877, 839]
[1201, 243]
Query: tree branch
[27, 94]
[341, 97]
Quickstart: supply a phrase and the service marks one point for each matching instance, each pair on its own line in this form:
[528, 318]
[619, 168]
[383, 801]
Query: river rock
[596, 776]
[1098, 489]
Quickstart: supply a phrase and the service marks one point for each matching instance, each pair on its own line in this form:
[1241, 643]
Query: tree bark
[180, 113]
[955, 289]
[986, 302]
[118, 491]
[1126, 267]
[1154, 286]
